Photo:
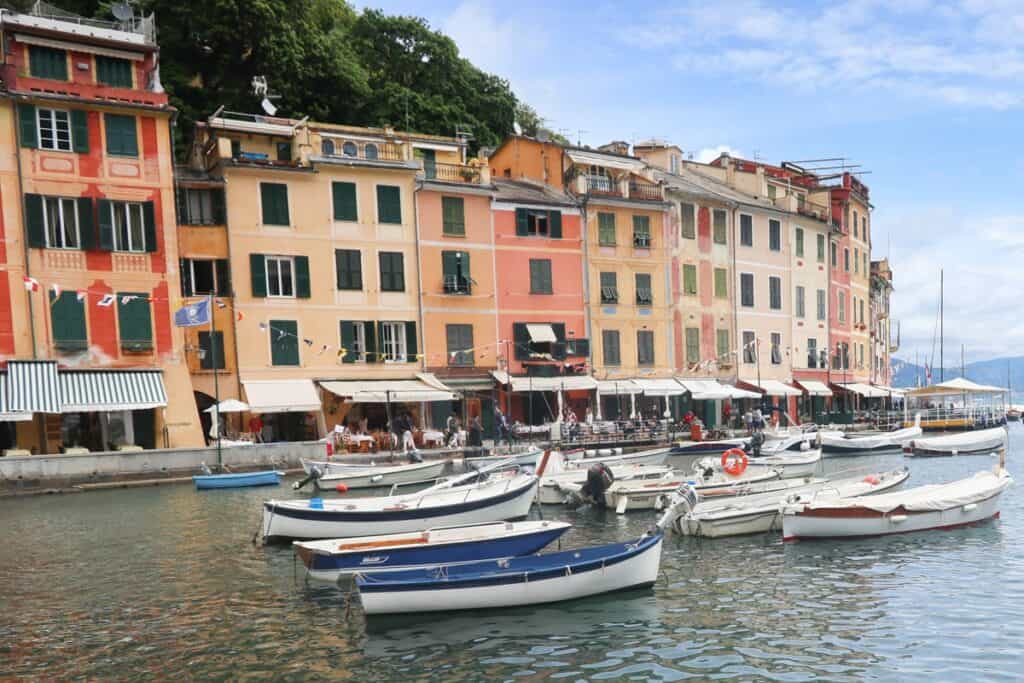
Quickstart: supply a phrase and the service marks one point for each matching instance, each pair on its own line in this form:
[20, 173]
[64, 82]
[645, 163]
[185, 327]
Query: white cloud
[709, 154]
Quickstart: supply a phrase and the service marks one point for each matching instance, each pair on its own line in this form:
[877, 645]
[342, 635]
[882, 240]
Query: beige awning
[281, 395]
[390, 391]
[660, 387]
[605, 160]
[620, 387]
[773, 387]
[864, 390]
[958, 385]
[541, 333]
[705, 389]
[814, 387]
[562, 383]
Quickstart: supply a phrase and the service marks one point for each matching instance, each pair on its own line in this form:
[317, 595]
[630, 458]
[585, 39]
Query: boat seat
[368, 545]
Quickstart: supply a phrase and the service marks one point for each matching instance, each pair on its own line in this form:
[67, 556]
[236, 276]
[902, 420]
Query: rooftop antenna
[579, 136]
[123, 12]
[261, 89]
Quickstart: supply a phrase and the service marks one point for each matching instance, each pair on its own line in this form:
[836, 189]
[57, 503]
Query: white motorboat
[525, 457]
[653, 456]
[378, 476]
[936, 506]
[792, 463]
[447, 504]
[847, 444]
[761, 512]
[982, 441]
[551, 491]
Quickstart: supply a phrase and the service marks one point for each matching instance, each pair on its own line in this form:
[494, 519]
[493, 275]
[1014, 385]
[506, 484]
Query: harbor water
[165, 582]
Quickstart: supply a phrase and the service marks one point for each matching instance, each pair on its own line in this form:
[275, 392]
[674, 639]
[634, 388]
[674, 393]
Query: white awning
[892, 391]
[7, 415]
[541, 333]
[390, 390]
[736, 392]
[660, 387]
[32, 386]
[773, 387]
[865, 390]
[84, 391]
[705, 389]
[814, 387]
[618, 387]
[561, 383]
[605, 160]
[281, 395]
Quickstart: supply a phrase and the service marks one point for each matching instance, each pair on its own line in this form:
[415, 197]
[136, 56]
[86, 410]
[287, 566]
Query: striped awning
[32, 386]
[84, 391]
[5, 414]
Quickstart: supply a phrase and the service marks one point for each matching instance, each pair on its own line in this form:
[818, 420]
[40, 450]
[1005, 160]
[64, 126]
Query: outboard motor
[314, 474]
[683, 500]
[599, 480]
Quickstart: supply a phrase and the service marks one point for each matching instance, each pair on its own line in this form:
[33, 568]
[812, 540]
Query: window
[835, 261]
[855, 222]
[393, 342]
[845, 356]
[842, 306]
[389, 204]
[772, 192]
[46, 62]
[719, 226]
[453, 216]
[801, 304]
[821, 304]
[60, 216]
[860, 356]
[746, 230]
[846, 259]
[775, 235]
[284, 151]
[200, 206]
[455, 271]
[354, 337]
[687, 221]
[280, 276]
[692, 345]
[800, 242]
[460, 344]
[610, 347]
[673, 163]
[274, 200]
[606, 229]
[540, 276]
[327, 147]
[205, 276]
[134, 321]
[392, 271]
[343, 199]
[854, 308]
[856, 260]
[536, 223]
[349, 149]
[284, 342]
[645, 347]
[812, 353]
[722, 344]
[776, 348]
[67, 316]
[747, 289]
[609, 288]
[864, 228]
[775, 293]
[348, 266]
[236, 149]
[211, 351]
[54, 129]
[113, 71]
[689, 279]
[866, 269]
[128, 221]
[749, 347]
[862, 311]
[642, 232]
[121, 137]
[846, 219]
[644, 294]
[370, 151]
[721, 283]
[821, 248]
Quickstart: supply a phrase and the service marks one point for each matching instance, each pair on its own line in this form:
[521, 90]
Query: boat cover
[964, 441]
[981, 486]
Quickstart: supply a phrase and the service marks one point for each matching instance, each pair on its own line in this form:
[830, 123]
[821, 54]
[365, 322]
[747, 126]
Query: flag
[342, 352]
[31, 284]
[57, 289]
[81, 294]
[238, 316]
[927, 373]
[193, 315]
[127, 299]
[221, 304]
[107, 300]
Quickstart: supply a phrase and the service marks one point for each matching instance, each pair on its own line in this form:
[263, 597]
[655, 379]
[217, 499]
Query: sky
[924, 95]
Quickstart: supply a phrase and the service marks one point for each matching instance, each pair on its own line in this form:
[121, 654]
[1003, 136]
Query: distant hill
[991, 371]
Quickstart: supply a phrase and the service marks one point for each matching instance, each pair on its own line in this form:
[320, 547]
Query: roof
[691, 181]
[960, 385]
[526, 192]
[606, 159]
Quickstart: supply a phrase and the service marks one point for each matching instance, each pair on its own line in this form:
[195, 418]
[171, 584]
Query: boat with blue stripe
[238, 480]
[327, 560]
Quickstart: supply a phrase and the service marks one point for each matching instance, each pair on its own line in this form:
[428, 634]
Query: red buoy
[341, 488]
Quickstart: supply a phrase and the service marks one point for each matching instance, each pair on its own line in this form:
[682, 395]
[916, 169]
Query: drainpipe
[737, 342]
[417, 186]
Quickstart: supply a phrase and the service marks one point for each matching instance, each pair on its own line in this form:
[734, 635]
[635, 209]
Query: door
[429, 163]
[487, 417]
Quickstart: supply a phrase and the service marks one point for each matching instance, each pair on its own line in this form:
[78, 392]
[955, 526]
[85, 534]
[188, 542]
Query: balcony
[609, 295]
[644, 297]
[452, 173]
[456, 284]
[601, 185]
[641, 241]
[645, 191]
[370, 151]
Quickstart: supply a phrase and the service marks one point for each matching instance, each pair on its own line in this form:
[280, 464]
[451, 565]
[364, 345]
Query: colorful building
[90, 271]
[882, 344]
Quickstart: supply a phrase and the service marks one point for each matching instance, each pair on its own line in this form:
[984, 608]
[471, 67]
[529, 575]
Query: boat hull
[702, 448]
[528, 458]
[967, 443]
[235, 481]
[511, 589]
[551, 491]
[792, 465]
[383, 476]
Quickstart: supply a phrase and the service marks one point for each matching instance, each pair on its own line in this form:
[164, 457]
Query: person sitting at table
[363, 428]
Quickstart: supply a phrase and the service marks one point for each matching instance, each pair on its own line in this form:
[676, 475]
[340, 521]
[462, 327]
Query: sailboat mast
[942, 358]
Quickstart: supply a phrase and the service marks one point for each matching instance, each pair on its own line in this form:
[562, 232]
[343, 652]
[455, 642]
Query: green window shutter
[223, 269]
[800, 242]
[722, 343]
[348, 339]
[149, 225]
[719, 226]
[186, 276]
[121, 136]
[86, 229]
[606, 229]
[344, 195]
[520, 341]
[217, 206]
[34, 220]
[67, 314]
[134, 321]
[258, 271]
[80, 131]
[370, 333]
[686, 218]
[392, 271]
[284, 342]
[27, 125]
[522, 223]
[302, 277]
[449, 265]
[453, 215]
[47, 62]
[692, 345]
[689, 279]
[721, 283]
[213, 345]
[348, 268]
[113, 71]
[555, 221]
[410, 342]
[274, 202]
[389, 204]
[106, 227]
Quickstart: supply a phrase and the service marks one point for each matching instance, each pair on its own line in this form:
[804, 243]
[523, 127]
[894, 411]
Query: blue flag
[193, 315]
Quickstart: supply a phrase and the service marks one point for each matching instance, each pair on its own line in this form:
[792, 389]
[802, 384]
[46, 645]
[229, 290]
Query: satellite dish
[122, 11]
[517, 128]
[268, 107]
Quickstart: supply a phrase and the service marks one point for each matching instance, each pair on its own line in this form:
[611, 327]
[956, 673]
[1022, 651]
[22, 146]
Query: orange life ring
[734, 461]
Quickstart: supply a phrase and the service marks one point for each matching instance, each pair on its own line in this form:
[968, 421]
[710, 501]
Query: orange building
[90, 265]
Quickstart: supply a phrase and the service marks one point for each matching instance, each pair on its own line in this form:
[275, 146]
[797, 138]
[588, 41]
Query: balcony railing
[609, 295]
[644, 297]
[646, 191]
[601, 185]
[642, 241]
[452, 173]
[370, 151]
[455, 284]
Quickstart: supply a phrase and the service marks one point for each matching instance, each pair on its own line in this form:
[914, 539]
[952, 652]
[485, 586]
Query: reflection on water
[165, 582]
